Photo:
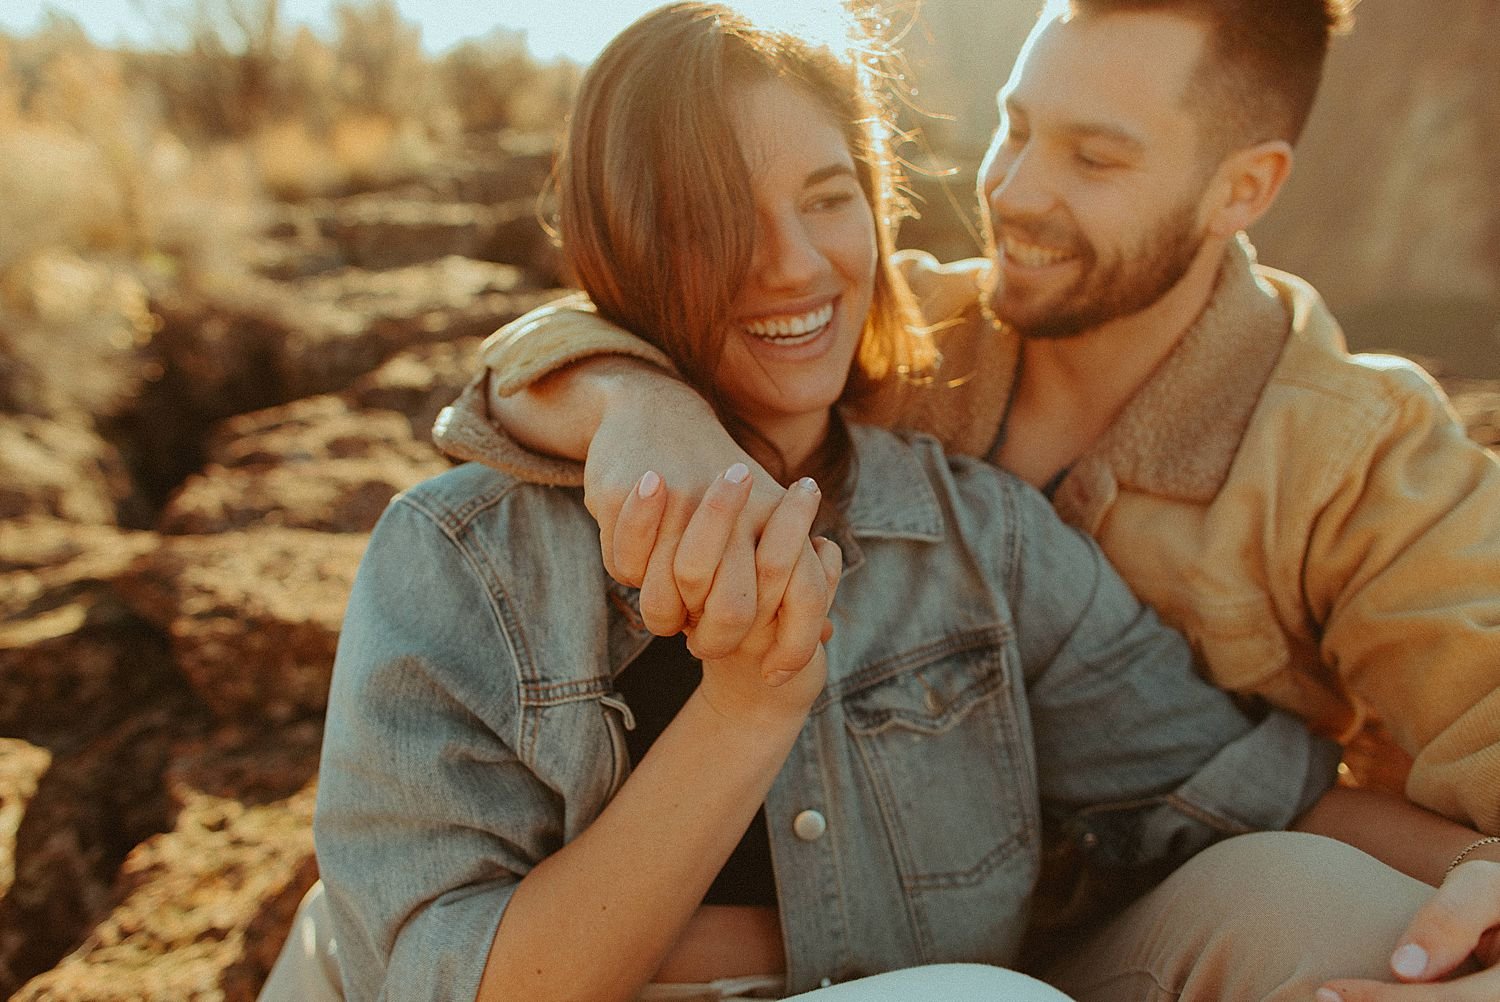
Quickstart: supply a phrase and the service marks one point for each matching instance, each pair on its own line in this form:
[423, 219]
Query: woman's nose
[786, 256]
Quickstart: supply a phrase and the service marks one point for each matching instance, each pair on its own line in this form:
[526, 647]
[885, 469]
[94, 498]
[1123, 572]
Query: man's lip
[1029, 254]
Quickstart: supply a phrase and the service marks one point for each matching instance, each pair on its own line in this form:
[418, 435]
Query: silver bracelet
[1488, 840]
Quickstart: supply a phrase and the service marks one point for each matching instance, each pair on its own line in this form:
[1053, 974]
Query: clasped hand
[754, 611]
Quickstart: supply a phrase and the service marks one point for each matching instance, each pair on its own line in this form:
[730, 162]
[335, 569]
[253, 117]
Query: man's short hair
[1262, 66]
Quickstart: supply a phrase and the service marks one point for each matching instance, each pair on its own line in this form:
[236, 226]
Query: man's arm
[1402, 570]
[562, 383]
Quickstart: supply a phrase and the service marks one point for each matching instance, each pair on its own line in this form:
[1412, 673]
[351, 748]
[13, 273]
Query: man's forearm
[559, 414]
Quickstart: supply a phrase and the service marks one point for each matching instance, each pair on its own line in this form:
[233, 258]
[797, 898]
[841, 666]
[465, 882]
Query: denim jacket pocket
[944, 748]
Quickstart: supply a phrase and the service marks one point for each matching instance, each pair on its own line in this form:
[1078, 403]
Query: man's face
[1093, 184]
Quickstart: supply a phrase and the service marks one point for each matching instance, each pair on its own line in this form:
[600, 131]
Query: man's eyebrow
[1087, 130]
[822, 174]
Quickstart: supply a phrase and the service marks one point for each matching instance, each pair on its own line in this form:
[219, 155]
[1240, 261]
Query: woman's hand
[639, 429]
[1456, 933]
[772, 596]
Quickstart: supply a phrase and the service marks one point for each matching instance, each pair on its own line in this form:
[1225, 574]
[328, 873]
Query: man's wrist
[629, 384]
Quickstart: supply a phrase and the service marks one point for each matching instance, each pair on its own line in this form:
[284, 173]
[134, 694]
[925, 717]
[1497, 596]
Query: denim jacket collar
[892, 498]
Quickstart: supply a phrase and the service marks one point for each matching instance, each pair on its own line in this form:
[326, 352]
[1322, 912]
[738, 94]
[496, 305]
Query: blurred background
[248, 248]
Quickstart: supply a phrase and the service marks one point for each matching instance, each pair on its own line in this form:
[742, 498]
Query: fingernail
[1409, 961]
[778, 678]
[737, 474]
[1328, 995]
[808, 484]
[649, 484]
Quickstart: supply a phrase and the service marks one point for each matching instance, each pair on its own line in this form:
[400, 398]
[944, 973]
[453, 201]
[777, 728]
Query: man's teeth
[1031, 255]
[791, 330]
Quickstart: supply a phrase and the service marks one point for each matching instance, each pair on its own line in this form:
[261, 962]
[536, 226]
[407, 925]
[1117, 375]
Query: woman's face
[798, 319]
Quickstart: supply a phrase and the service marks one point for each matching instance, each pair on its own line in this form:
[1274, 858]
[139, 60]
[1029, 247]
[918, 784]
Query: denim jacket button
[809, 826]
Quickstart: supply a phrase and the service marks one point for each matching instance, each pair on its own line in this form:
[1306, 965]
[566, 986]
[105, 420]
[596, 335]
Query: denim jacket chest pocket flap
[941, 735]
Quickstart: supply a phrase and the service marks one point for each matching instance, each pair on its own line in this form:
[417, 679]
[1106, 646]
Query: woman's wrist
[1487, 848]
[753, 711]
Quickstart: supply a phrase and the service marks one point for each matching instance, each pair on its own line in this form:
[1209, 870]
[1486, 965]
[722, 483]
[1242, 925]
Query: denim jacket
[987, 669]
[1316, 523]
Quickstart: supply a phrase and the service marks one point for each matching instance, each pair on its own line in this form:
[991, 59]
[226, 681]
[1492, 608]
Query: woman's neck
[796, 444]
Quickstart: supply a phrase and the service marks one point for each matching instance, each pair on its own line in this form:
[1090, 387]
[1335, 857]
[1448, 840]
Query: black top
[655, 686]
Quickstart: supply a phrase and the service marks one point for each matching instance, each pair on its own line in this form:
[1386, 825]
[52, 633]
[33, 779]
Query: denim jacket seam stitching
[880, 671]
[457, 532]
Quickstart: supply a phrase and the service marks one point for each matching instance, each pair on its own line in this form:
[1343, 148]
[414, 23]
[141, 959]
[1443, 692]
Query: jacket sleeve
[1402, 572]
[1139, 759]
[427, 818]
[514, 357]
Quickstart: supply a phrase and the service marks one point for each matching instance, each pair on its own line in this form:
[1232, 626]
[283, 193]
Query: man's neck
[1071, 389]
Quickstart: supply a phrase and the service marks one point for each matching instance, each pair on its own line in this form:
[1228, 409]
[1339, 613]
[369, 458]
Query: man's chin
[1035, 324]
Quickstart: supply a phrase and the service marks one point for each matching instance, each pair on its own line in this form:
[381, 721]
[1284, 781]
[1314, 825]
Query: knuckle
[662, 614]
[734, 615]
[772, 569]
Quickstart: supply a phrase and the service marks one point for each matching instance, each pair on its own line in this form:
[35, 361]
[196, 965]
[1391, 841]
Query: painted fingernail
[1409, 961]
[1328, 995]
[737, 474]
[808, 484]
[778, 678]
[649, 484]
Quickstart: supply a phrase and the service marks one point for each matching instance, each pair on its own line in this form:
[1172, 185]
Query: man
[1318, 525]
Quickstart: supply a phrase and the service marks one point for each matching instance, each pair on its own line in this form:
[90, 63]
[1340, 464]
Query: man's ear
[1246, 184]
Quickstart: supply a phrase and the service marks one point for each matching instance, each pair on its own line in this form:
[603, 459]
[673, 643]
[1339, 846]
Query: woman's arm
[597, 918]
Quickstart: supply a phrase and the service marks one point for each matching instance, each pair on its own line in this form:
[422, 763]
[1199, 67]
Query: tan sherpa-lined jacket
[1317, 523]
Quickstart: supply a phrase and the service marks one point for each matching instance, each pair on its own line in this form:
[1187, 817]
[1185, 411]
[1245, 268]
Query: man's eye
[1093, 162]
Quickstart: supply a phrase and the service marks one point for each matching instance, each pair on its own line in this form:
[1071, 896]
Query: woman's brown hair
[655, 208]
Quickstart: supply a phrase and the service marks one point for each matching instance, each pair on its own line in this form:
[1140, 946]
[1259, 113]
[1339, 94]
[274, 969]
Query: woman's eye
[828, 203]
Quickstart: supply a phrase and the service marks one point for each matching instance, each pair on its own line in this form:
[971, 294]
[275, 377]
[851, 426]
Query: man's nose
[1014, 183]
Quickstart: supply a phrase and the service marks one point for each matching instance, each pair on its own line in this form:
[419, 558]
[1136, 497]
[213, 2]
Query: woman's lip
[810, 348]
[788, 310]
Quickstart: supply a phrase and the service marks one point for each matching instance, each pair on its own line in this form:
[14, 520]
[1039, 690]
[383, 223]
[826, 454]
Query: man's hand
[658, 451]
[1455, 935]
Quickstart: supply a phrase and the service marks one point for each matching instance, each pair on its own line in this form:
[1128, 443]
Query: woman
[524, 795]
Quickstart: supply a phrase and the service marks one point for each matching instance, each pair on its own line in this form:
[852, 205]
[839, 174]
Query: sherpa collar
[1178, 435]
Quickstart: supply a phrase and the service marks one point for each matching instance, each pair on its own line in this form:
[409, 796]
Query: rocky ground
[173, 573]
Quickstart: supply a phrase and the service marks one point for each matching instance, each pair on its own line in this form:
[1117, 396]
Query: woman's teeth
[790, 331]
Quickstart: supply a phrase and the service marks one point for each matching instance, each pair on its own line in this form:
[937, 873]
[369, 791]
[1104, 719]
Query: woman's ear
[1247, 183]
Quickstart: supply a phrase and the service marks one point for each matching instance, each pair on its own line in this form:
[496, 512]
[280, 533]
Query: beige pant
[1259, 918]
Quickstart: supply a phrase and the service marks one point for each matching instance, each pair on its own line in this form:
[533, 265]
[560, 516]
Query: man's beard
[1122, 286]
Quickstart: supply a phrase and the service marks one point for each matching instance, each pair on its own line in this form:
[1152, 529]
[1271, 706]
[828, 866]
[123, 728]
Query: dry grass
[121, 170]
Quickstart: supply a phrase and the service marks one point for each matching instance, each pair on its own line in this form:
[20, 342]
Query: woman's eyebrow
[822, 174]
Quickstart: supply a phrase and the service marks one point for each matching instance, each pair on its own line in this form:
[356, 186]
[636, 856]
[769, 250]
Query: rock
[61, 469]
[378, 232]
[73, 658]
[253, 616]
[22, 767]
[419, 382]
[314, 464]
[431, 303]
[505, 168]
[199, 912]
[89, 809]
